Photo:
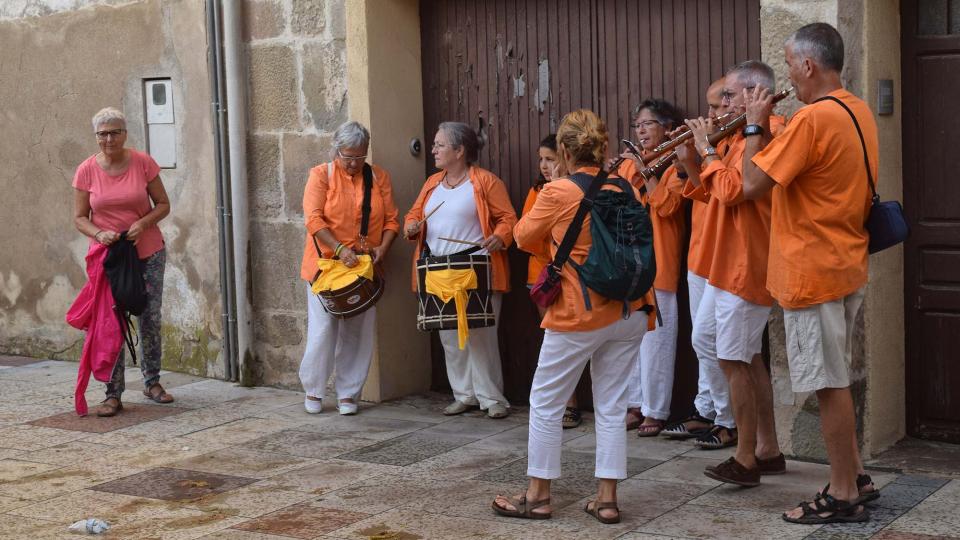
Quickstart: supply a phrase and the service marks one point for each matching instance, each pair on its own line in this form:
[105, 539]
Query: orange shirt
[494, 209]
[334, 204]
[536, 262]
[700, 250]
[666, 214]
[818, 250]
[741, 228]
[545, 224]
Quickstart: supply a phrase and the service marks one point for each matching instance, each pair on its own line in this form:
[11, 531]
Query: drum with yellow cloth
[347, 292]
[454, 292]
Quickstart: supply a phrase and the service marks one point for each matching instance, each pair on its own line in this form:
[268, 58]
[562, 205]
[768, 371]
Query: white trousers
[610, 351]
[704, 340]
[704, 400]
[344, 346]
[651, 383]
[475, 373]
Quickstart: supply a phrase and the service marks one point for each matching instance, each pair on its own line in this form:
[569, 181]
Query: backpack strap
[866, 161]
[365, 205]
[590, 187]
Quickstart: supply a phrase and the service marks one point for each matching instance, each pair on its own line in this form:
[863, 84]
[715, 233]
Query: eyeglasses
[440, 146]
[648, 124]
[112, 133]
[351, 159]
[729, 94]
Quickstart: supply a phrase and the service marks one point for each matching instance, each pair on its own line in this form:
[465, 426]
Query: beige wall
[384, 81]
[58, 66]
[871, 38]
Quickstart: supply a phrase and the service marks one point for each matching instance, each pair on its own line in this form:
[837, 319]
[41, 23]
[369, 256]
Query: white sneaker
[312, 406]
[348, 409]
[497, 410]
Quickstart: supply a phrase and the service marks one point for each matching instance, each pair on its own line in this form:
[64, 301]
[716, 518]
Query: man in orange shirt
[818, 248]
[733, 312]
[713, 392]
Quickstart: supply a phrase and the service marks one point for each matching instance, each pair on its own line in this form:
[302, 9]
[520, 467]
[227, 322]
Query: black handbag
[886, 223]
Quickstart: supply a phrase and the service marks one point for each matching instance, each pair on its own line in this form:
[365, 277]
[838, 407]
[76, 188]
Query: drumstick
[461, 241]
[426, 217]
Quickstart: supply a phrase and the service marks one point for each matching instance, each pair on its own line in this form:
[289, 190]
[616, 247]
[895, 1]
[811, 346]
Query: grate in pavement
[173, 484]
[131, 415]
[302, 521]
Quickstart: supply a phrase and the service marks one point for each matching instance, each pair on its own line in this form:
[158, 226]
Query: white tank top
[457, 218]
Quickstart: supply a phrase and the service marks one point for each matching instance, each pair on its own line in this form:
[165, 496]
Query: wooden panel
[931, 75]
[482, 64]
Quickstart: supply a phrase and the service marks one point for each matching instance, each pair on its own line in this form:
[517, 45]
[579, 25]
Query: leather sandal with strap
[863, 480]
[598, 506]
[107, 409]
[522, 508]
[157, 394]
[836, 511]
[651, 430]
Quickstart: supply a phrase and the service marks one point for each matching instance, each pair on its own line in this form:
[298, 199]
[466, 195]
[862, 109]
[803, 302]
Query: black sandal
[571, 418]
[863, 480]
[678, 430]
[712, 440]
[840, 512]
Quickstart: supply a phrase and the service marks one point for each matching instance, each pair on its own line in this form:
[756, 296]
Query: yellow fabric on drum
[336, 275]
[447, 284]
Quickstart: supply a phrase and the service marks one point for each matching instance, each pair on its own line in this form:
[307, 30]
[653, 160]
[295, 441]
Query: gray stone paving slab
[308, 444]
[405, 449]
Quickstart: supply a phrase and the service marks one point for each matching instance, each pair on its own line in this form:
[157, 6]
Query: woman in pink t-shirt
[116, 190]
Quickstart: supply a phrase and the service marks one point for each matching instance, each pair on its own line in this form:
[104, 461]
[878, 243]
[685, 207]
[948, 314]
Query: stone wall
[878, 346]
[60, 62]
[297, 98]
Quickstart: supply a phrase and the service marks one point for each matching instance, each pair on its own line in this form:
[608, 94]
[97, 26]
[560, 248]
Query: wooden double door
[513, 68]
[930, 32]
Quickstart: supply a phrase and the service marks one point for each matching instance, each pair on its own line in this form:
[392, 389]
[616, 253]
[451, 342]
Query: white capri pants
[611, 351]
[704, 400]
[651, 382]
[343, 346]
[475, 373]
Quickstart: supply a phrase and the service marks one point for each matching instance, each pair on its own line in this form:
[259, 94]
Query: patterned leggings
[148, 327]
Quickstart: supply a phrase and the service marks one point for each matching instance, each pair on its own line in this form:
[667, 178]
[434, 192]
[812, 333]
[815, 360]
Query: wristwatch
[709, 151]
[753, 129]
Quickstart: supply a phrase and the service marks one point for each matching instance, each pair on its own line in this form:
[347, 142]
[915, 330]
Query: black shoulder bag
[886, 223]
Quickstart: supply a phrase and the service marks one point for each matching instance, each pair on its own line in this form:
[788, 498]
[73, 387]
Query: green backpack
[621, 264]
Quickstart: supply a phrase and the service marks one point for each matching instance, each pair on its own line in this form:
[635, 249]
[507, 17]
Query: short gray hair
[350, 135]
[819, 42]
[755, 73]
[462, 135]
[108, 115]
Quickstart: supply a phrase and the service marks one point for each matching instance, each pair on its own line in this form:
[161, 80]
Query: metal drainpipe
[222, 168]
[236, 81]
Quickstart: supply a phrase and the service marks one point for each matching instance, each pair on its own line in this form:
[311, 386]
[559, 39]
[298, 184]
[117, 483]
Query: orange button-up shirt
[494, 209]
[544, 225]
[820, 204]
[666, 213]
[741, 228]
[536, 262]
[334, 204]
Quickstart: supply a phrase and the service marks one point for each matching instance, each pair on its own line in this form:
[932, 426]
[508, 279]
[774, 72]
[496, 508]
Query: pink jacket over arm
[93, 311]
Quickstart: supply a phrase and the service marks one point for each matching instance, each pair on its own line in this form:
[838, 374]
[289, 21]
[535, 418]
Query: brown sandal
[598, 506]
[522, 508]
[106, 409]
[157, 394]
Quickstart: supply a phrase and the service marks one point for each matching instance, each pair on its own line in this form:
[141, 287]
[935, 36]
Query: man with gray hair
[817, 270]
[733, 311]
